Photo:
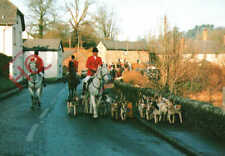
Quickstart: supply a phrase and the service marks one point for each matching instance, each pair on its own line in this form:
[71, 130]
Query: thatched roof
[8, 13]
[42, 45]
[125, 45]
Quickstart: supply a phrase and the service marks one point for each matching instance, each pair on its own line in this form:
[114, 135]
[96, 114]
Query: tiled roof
[8, 13]
[203, 46]
[196, 46]
[42, 44]
[125, 45]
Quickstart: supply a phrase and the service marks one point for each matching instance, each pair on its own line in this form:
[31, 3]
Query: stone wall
[195, 114]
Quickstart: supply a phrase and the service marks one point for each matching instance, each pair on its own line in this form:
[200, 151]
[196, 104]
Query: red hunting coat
[39, 63]
[92, 64]
[75, 62]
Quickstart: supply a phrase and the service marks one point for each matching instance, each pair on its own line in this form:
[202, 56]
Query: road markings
[30, 136]
[45, 112]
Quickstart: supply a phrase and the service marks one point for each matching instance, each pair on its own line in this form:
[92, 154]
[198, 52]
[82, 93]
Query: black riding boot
[84, 88]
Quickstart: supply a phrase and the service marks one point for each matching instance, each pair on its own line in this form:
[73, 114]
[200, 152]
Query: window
[14, 36]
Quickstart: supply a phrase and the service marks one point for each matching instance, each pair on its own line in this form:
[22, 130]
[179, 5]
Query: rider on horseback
[73, 65]
[39, 64]
[72, 77]
[93, 62]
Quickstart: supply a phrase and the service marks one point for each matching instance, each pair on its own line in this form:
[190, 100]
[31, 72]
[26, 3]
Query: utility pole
[223, 97]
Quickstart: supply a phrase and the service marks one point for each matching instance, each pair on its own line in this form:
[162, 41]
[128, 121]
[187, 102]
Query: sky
[137, 18]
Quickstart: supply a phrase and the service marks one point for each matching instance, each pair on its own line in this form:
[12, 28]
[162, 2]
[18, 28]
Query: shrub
[4, 65]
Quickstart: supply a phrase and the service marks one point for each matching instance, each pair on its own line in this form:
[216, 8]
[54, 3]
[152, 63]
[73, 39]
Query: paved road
[51, 132]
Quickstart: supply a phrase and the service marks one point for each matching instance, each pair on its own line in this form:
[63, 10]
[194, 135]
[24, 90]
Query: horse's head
[103, 73]
[33, 67]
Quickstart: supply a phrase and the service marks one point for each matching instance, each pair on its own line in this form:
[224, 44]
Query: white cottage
[11, 27]
[50, 51]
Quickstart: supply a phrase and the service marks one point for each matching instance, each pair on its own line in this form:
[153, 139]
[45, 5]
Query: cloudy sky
[136, 18]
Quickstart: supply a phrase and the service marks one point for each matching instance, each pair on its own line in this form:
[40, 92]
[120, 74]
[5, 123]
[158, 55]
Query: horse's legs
[69, 97]
[90, 105]
[32, 96]
[38, 93]
[92, 100]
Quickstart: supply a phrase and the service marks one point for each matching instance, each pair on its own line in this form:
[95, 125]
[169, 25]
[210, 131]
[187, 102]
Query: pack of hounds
[156, 108]
[116, 106]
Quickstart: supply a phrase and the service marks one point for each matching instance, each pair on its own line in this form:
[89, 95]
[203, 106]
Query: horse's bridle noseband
[101, 79]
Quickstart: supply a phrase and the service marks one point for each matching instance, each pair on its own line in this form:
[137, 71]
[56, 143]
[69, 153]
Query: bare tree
[41, 13]
[78, 15]
[175, 70]
[106, 23]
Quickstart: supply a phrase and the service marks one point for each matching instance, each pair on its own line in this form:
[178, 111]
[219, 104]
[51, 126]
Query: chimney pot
[205, 34]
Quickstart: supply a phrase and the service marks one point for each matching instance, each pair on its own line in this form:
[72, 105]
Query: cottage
[11, 27]
[112, 51]
[204, 49]
[50, 51]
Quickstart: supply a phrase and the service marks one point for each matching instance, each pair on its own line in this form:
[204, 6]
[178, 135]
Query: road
[51, 132]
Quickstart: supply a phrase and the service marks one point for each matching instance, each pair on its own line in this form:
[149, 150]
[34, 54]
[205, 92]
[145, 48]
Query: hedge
[4, 65]
[195, 113]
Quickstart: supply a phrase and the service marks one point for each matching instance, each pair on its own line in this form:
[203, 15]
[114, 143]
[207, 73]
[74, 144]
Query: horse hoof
[95, 116]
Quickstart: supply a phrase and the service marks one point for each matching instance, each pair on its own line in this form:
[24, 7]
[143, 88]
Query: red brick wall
[130, 56]
[81, 57]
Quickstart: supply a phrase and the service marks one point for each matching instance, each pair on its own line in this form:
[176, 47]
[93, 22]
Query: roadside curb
[182, 147]
[11, 92]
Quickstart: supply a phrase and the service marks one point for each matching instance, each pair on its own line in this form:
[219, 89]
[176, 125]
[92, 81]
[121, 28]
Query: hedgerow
[196, 114]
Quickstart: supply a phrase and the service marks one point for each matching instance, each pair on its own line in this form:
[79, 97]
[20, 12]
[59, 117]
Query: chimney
[182, 44]
[205, 34]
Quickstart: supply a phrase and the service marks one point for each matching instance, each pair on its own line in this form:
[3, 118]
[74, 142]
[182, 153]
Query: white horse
[96, 88]
[35, 84]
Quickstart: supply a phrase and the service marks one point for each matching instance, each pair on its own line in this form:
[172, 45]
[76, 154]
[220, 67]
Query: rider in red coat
[39, 64]
[93, 62]
[74, 64]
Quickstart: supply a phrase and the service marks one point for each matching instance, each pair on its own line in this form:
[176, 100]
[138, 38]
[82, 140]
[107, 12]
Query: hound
[123, 110]
[172, 111]
[142, 108]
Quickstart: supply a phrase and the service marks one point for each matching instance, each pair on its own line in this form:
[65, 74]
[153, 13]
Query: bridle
[101, 78]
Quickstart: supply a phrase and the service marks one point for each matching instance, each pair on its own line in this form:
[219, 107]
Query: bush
[4, 65]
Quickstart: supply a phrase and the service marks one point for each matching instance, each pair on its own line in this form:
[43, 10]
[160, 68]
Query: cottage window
[14, 36]
[3, 36]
